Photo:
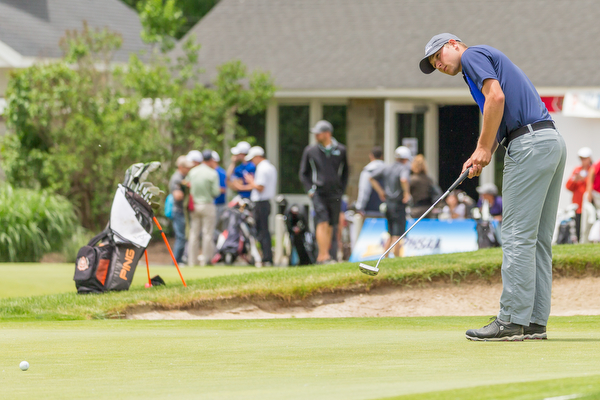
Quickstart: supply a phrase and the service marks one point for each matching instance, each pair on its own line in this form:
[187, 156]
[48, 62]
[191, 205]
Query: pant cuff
[539, 321]
[513, 319]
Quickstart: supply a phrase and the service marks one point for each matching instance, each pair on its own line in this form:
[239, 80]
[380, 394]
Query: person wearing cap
[515, 117]
[264, 186]
[179, 190]
[395, 193]
[488, 192]
[239, 168]
[578, 181]
[324, 175]
[194, 157]
[204, 188]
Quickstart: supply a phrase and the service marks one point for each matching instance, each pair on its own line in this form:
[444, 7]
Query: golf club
[369, 270]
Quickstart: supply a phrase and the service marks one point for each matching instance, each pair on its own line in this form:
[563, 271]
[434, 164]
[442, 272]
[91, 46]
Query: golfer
[515, 117]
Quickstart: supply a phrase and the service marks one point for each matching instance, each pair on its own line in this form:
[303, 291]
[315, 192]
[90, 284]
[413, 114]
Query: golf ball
[24, 365]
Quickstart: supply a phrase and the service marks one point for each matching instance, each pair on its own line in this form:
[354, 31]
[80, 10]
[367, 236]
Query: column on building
[363, 131]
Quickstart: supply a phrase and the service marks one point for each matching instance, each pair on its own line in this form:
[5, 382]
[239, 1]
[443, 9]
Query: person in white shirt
[264, 184]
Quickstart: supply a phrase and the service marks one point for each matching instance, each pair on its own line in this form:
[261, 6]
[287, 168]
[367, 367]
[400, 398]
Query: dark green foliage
[32, 223]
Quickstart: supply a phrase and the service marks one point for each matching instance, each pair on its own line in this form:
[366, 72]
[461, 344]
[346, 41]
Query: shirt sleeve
[477, 63]
[260, 176]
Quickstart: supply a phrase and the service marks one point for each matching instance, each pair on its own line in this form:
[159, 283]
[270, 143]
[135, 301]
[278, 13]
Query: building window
[411, 129]
[293, 138]
[254, 125]
[337, 116]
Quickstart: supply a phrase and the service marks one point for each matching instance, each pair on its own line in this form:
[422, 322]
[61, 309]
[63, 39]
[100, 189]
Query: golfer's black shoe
[534, 331]
[497, 331]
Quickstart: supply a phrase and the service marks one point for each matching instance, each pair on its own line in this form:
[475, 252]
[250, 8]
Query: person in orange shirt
[578, 182]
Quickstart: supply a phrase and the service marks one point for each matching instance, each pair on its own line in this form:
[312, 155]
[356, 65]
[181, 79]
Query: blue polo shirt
[238, 173]
[222, 179]
[522, 103]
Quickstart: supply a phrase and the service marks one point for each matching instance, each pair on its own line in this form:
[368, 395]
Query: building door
[414, 125]
[458, 135]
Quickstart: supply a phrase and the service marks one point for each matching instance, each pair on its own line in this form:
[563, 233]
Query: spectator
[454, 209]
[368, 200]
[194, 157]
[264, 184]
[488, 192]
[220, 200]
[179, 190]
[577, 183]
[422, 188]
[324, 174]
[593, 185]
[395, 194]
[204, 188]
[236, 174]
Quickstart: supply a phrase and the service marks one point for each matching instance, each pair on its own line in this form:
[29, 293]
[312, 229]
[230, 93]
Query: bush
[33, 223]
[78, 239]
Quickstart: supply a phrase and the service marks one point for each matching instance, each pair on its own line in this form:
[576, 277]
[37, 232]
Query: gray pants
[533, 172]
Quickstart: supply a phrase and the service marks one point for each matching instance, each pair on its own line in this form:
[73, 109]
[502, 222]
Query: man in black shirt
[324, 174]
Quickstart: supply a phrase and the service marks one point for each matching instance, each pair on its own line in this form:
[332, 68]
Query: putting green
[35, 279]
[350, 358]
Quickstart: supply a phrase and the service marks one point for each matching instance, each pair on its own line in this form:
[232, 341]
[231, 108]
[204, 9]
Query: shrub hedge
[33, 223]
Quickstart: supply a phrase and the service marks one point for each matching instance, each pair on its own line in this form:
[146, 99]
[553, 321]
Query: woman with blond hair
[423, 189]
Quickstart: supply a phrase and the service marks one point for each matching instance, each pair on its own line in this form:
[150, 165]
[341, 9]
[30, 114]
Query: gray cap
[322, 126]
[432, 47]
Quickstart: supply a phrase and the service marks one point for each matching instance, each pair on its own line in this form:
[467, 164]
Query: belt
[526, 129]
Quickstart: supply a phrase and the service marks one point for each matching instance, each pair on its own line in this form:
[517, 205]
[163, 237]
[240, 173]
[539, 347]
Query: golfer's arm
[493, 110]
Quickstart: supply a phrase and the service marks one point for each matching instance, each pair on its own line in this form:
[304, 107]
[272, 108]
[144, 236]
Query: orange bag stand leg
[149, 284]
[170, 251]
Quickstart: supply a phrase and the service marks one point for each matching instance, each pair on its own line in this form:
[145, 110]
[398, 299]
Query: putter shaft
[460, 179]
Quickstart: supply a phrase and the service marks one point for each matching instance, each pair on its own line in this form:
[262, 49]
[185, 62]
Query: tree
[191, 12]
[76, 125]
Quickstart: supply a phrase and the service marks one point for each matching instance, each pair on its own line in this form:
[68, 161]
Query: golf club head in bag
[131, 171]
[372, 271]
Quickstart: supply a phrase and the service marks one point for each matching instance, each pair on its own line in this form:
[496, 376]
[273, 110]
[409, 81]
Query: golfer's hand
[478, 160]
[406, 198]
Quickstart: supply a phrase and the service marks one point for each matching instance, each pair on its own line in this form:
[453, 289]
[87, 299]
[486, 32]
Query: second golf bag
[239, 236]
[109, 260]
[303, 241]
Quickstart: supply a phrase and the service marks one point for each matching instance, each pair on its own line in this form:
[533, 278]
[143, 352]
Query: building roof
[33, 28]
[358, 44]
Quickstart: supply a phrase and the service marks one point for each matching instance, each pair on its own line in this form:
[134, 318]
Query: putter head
[367, 269]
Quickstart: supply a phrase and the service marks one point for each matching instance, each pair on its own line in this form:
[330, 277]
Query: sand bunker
[570, 296]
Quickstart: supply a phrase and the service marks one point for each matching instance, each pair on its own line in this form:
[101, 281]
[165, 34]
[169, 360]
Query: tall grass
[33, 223]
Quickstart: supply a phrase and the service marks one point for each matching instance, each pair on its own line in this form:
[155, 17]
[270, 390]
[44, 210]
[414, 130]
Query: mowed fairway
[350, 358]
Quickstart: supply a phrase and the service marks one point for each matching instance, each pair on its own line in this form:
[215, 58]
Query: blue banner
[430, 236]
